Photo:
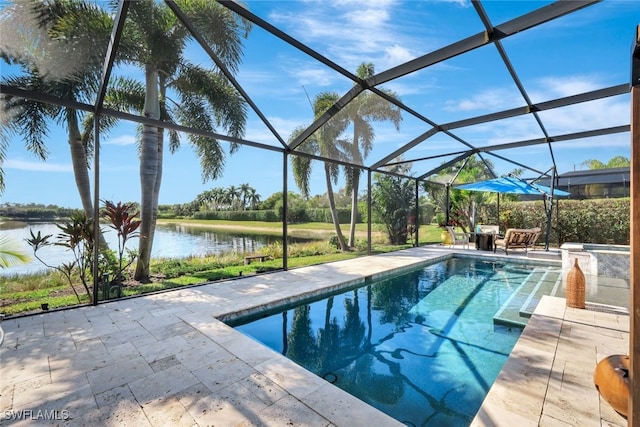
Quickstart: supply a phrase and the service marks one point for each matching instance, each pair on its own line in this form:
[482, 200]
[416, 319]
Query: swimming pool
[422, 346]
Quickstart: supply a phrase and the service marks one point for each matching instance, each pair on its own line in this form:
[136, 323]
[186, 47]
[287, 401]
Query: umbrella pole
[550, 211]
[447, 209]
[498, 214]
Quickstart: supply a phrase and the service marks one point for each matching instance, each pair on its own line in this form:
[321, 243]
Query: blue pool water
[421, 347]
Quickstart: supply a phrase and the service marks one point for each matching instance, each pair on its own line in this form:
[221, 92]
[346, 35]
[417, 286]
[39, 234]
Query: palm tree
[326, 142]
[253, 198]
[204, 199]
[45, 26]
[245, 189]
[218, 197]
[233, 196]
[206, 98]
[361, 111]
[615, 162]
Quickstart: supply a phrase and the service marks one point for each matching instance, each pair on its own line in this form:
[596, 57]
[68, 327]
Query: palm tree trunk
[148, 171]
[80, 168]
[79, 162]
[156, 189]
[354, 206]
[160, 160]
[334, 212]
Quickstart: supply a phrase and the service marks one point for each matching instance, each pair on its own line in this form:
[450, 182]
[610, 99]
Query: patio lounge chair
[517, 238]
[458, 238]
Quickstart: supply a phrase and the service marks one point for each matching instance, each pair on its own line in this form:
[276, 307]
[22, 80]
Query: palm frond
[9, 255]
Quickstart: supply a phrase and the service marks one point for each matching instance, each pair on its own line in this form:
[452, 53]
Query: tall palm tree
[361, 111]
[58, 62]
[253, 198]
[204, 199]
[218, 197]
[244, 192]
[205, 98]
[233, 196]
[326, 142]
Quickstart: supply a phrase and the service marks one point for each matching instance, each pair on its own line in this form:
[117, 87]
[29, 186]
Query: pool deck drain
[166, 360]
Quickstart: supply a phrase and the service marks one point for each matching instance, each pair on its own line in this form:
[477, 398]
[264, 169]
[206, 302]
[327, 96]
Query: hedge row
[263, 215]
[275, 215]
[605, 221]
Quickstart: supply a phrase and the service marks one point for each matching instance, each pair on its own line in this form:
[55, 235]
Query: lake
[171, 241]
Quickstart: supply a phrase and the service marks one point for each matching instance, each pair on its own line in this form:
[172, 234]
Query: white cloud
[259, 132]
[29, 165]
[397, 54]
[313, 75]
[461, 3]
[121, 140]
[350, 32]
[496, 98]
[557, 87]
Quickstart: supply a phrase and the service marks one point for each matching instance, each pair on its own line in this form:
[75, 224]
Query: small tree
[394, 203]
[77, 236]
[126, 226]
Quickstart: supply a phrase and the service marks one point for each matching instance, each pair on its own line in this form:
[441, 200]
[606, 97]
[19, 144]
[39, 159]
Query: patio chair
[517, 238]
[458, 238]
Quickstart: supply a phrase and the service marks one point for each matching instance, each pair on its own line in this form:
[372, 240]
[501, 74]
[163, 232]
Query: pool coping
[167, 356]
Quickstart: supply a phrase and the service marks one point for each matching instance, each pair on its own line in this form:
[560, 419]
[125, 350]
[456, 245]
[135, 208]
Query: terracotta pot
[575, 287]
[611, 379]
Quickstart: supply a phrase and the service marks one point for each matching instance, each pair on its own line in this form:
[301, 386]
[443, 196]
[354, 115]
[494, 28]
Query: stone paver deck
[168, 360]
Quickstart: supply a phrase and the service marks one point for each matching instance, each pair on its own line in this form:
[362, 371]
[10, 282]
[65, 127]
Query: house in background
[594, 183]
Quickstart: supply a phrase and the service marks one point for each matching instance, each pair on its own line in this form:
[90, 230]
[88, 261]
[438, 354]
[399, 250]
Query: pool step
[549, 285]
[519, 307]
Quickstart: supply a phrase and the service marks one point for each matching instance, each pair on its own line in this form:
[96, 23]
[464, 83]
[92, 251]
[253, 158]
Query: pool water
[421, 347]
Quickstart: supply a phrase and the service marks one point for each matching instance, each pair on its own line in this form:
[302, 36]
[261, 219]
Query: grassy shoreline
[24, 294]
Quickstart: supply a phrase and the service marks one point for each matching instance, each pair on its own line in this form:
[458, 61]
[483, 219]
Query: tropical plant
[125, 225]
[326, 142]
[244, 195]
[393, 202]
[232, 197]
[614, 162]
[361, 111]
[77, 236]
[254, 199]
[205, 97]
[462, 204]
[9, 255]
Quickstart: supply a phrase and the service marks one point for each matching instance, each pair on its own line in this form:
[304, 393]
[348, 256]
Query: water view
[171, 241]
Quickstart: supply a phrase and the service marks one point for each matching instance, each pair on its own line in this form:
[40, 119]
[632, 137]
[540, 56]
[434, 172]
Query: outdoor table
[484, 241]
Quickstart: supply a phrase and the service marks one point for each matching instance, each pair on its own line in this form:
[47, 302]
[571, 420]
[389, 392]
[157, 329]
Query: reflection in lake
[421, 347]
[171, 241]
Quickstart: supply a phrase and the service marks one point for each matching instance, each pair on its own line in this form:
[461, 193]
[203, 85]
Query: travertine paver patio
[166, 359]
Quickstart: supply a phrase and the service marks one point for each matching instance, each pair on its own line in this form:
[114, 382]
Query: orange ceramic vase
[612, 381]
[575, 287]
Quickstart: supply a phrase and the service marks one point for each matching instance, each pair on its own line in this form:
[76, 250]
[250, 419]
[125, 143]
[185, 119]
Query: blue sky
[587, 50]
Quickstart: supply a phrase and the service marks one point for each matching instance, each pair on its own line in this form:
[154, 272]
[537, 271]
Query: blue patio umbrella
[514, 185]
[511, 185]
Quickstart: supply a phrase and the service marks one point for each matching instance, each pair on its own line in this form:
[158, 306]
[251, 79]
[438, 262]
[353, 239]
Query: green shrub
[262, 215]
[274, 250]
[603, 221]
